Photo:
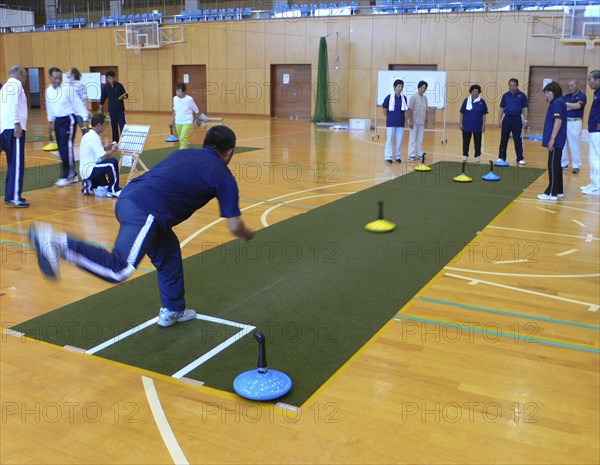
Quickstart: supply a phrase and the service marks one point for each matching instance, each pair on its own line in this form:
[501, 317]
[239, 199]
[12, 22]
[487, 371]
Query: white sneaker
[168, 318]
[74, 179]
[101, 191]
[522, 162]
[591, 191]
[465, 158]
[113, 194]
[560, 196]
[62, 182]
[547, 197]
[477, 159]
[584, 188]
[43, 239]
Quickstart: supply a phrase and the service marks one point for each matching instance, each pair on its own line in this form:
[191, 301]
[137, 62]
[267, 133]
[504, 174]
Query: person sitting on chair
[96, 166]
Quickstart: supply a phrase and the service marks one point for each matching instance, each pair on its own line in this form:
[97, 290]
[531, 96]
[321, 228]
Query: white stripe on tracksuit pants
[139, 235]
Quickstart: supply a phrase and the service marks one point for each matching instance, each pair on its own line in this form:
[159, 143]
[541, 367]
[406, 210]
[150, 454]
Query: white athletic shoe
[591, 191]
[43, 239]
[62, 182]
[168, 318]
[522, 162]
[547, 197]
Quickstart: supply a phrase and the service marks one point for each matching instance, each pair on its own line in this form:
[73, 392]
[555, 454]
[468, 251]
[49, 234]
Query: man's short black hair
[398, 81]
[421, 84]
[97, 119]
[111, 73]
[53, 70]
[181, 85]
[220, 138]
[473, 87]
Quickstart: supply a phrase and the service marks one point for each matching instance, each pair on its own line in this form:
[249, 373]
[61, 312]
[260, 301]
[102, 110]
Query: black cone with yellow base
[380, 225]
[462, 177]
[422, 166]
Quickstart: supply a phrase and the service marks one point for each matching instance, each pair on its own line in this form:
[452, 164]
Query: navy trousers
[15, 160]
[64, 130]
[106, 173]
[512, 124]
[139, 235]
[555, 175]
[117, 122]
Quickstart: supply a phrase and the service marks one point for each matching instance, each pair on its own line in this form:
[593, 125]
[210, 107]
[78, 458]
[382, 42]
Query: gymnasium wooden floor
[495, 361]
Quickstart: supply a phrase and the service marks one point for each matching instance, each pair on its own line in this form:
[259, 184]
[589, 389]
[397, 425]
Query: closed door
[396, 67]
[535, 90]
[194, 78]
[290, 91]
[103, 70]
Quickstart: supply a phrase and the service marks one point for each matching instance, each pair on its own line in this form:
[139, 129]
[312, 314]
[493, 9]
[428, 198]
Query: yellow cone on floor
[422, 166]
[463, 177]
[380, 225]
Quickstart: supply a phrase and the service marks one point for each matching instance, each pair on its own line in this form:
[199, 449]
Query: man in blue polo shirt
[575, 101]
[594, 129]
[147, 210]
[512, 118]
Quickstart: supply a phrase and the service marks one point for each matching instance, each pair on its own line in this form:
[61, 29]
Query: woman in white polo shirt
[184, 109]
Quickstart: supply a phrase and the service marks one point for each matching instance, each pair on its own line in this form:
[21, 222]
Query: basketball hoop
[137, 49]
[589, 42]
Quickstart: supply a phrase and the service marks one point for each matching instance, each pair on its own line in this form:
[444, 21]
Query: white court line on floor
[578, 222]
[526, 275]
[566, 252]
[121, 336]
[562, 205]
[546, 210]
[587, 238]
[263, 218]
[329, 186]
[504, 262]
[473, 281]
[162, 423]
[211, 353]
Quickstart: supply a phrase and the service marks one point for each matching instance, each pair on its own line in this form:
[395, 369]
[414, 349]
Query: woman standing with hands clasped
[472, 121]
[555, 137]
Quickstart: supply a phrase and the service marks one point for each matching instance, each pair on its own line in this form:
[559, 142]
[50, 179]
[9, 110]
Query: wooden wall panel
[254, 91]
[234, 89]
[490, 48]
[255, 50]
[459, 37]
[217, 52]
[409, 28]
[198, 38]
[484, 45]
[433, 36]
[165, 90]
[25, 51]
[360, 48]
[384, 47]
[512, 41]
[215, 82]
[236, 53]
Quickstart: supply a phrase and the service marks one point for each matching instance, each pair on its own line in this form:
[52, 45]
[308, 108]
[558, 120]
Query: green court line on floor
[503, 334]
[502, 312]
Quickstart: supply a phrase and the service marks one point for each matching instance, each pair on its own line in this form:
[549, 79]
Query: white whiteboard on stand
[93, 85]
[436, 85]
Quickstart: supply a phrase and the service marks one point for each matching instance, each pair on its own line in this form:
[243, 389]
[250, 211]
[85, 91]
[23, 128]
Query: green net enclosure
[323, 111]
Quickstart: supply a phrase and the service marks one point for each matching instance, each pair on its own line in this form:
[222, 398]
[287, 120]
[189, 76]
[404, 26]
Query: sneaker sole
[45, 265]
